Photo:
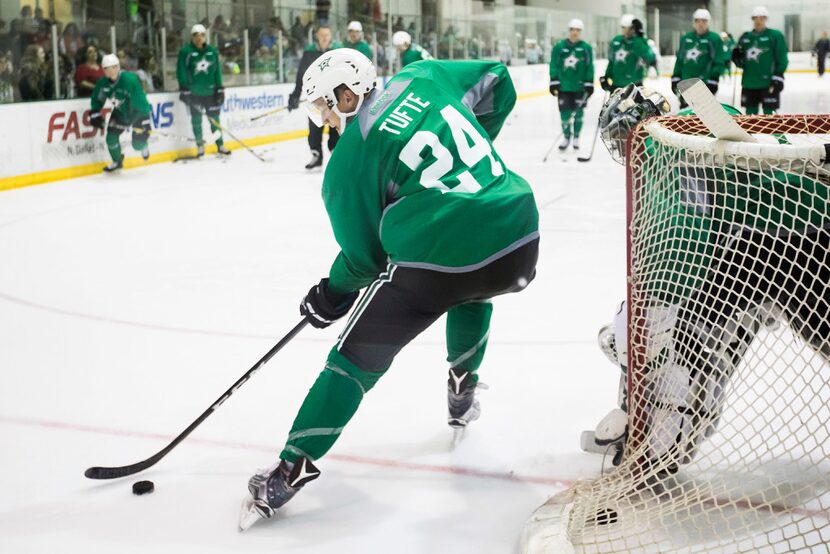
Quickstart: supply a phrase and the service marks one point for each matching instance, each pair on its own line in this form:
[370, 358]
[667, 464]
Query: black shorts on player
[571, 101]
[206, 104]
[755, 97]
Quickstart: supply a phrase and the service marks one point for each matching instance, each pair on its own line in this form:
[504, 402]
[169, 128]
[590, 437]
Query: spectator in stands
[298, 34]
[65, 74]
[268, 36]
[71, 41]
[23, 31]
[219, 31]
[35, 82]
[322, 11]
[88, 72]
[147, 71]
[42, 25]
[126, 60]
[6, 78]
[236, 28]
[5, 37]
[820, 51]
[398, 25]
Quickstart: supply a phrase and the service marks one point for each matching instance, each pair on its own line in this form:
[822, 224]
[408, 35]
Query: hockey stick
[596, 134]
[711, 113]
[152, 132]
[272, 112]
[245, 146]
[123, 471]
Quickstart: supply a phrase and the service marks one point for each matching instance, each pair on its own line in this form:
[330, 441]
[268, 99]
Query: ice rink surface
[129, 303]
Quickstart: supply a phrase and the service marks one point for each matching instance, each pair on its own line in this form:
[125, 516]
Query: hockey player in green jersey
[572, 80]
[700, 55]
[355, 40]
[408, 50]
[428, 217]
[199, 71]
[130, 110]
[320, 46]
[628, 57]
[762, 53]
[728, 47]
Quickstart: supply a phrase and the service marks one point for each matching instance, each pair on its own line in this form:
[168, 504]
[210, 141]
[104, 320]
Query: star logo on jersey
[202, 66]
[116, 103]
[571, 61]
[693, 54]
[621, 55]
[752, 55]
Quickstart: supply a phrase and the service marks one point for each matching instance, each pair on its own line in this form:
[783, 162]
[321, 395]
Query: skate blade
[248, 514]
[457, 436]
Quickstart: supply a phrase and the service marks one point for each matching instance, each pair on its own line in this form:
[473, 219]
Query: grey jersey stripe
[479, 99]
[466, 268]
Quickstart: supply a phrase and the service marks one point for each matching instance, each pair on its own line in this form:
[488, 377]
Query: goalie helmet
[623, 111]
[344, 66]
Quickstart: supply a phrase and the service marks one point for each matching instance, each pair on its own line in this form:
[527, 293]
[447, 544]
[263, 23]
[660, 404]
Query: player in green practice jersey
[739, 249]
[320, 46]
[130, 110]
[428, 217]
[762, 53]
[629, 56]
[409, 51]
[728, 46]
[700, 55]
[199, 71]
[572, 80]
[355, 40]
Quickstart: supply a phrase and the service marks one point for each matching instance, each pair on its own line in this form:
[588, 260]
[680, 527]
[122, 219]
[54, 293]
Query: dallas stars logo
[753, 53]
[693, 54]
[116, 103]
[571, 61]
[202, 66]
[324, 64]
[621, 55]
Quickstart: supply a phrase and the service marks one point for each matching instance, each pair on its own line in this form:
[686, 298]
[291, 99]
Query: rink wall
[42, 142]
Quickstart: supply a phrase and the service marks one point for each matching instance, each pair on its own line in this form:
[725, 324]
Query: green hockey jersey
[414, 53]
[129, 102]
[572, 64]
[699, 56]
[361, 46]
[628, 59]
[415, 180]
[199, 70]
[764, 55]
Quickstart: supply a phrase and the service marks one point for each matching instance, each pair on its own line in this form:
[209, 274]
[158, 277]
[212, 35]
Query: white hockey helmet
[355, 26]
[401, 38]
[198, 28]
[760, 11]
[576, 24]
[109, 60]
[344, 66]
[627, 20]
[702, 14]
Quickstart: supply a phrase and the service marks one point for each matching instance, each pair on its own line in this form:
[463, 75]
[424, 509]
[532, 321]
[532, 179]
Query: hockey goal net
[728, 446]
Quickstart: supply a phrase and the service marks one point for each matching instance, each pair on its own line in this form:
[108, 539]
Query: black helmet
[622, 112]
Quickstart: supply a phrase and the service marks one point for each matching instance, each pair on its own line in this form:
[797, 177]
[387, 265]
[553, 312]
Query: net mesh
[729, 341]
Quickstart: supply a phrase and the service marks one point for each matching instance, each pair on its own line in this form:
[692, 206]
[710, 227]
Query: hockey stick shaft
[266, 114]
[153, 132]
[216, 124]
[123, 471]
[596, 134]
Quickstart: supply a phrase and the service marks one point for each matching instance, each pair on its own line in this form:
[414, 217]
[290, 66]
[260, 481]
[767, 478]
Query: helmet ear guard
[623, 111]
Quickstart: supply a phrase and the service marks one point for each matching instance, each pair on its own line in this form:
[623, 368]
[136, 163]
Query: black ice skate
[461, 402]
[200, 150]
[223, 150]
[271, 488]
[315, 161]
[115, 166]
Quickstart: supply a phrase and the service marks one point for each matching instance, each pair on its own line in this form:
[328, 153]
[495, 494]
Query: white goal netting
[728, 448]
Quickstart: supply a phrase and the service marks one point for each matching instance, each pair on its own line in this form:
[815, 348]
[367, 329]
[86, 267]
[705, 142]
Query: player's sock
[272, 488]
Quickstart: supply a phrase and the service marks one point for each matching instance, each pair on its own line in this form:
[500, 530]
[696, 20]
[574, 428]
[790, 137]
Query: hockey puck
[606, 516]
[143, 487]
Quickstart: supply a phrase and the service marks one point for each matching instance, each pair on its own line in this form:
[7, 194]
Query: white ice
[129, 303]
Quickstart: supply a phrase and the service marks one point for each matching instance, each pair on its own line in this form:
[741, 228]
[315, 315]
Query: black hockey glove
[184, 96]
[554, 87]
[293, 102]
[219, 97]
[713, 85]
[674, 80]
[96, 119]
[589, 89]
[604, 83]
[777, 84]
[637, 25]
[738, 56]
[321, 307]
